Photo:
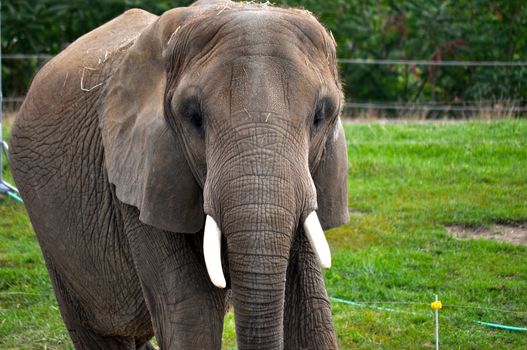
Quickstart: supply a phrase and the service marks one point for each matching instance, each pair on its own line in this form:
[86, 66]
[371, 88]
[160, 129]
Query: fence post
[436, 305]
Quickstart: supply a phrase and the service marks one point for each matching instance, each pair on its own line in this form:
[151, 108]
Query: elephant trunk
[255, 202]
[258, 274]
[259, 226]
[258, 212]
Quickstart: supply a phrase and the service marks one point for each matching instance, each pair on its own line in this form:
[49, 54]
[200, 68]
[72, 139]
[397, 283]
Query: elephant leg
[307, 323]
[187, 310]
[86, 339]
[82, 336]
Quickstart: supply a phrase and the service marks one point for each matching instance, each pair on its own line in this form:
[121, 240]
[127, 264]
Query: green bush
[413, 29]
[465, 30]
[47, 26]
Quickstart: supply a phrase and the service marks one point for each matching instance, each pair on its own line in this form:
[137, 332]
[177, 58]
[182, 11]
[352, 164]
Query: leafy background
[411, 29]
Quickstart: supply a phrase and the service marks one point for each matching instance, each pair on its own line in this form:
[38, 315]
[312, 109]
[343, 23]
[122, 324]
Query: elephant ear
[331, 182]
[143, 157]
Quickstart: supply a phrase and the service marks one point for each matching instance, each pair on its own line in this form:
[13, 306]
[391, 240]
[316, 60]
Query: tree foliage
[474, 30]
[48, 26]
[464, 30]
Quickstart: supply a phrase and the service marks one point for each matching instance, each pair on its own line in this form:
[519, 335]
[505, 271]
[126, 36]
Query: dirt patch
[516, 234]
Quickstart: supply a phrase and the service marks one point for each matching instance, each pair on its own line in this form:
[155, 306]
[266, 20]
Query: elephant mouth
[212, 246]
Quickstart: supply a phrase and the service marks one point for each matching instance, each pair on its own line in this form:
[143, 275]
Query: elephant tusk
[212, 252]
[318, 241]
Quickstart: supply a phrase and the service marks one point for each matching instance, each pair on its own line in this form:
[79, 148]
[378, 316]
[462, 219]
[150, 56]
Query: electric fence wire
[413, 313]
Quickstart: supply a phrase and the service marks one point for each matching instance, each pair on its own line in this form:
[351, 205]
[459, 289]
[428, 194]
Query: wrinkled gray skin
[139, 129]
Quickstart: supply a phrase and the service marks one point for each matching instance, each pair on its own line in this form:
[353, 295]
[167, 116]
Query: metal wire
[431, 107]
[22, 56]
[432, 63]
[361, 61]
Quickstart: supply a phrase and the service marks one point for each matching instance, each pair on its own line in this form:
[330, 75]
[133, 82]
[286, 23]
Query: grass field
[407, 182]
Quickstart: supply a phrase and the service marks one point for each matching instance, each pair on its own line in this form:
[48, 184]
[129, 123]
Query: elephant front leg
[187, 310]
[307, 320]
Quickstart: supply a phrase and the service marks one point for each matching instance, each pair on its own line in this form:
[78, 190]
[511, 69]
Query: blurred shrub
[474, 30]
[411, 29]
[47, 26]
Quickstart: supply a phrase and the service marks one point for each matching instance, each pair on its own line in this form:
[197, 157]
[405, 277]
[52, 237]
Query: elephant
[176, 166]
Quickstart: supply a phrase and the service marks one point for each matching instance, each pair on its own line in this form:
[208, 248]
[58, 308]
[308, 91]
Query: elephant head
[224, 118]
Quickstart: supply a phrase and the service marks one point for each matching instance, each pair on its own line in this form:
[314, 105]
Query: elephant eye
[324, 109]
[192, 113]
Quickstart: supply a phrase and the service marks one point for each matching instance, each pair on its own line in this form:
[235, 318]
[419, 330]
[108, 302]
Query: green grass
[29, 316]
[406, 183]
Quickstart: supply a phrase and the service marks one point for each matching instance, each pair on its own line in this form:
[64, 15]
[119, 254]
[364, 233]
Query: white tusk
[318, 241]
[212, 252]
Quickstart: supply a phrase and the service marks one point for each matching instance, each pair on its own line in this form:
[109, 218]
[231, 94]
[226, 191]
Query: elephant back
[58, 114]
